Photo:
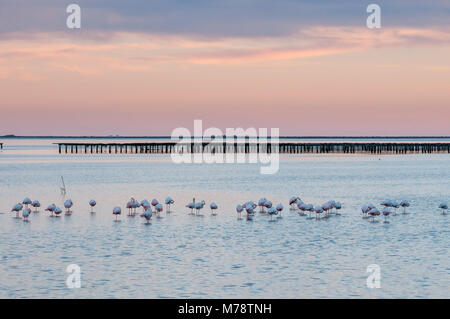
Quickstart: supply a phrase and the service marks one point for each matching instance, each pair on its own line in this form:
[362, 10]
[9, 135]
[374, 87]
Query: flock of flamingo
[154, 208]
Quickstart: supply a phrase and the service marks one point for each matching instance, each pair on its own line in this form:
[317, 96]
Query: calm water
[204, 257]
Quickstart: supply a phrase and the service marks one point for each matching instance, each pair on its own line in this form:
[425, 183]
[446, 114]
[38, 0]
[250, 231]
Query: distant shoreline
[169, 137]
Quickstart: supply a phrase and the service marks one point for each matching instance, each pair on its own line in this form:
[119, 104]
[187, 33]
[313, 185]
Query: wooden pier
[253, 147]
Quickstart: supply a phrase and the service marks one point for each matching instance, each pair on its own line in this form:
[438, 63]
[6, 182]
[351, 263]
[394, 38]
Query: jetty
[248, 146]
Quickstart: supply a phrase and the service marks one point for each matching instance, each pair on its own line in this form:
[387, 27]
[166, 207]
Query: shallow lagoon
[219, 256]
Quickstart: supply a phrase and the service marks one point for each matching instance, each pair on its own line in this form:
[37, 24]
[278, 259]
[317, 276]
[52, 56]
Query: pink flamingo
[239, 210]
[17, 208]
[26, 201]
[36, 206]
[68, 204]
[147, 214]
[51, 208]
[57, 211]
[92, 203]
[159, 209]
[117, 211]
[213, 207]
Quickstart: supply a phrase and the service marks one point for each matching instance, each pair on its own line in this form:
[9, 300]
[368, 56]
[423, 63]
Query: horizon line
[168, 137]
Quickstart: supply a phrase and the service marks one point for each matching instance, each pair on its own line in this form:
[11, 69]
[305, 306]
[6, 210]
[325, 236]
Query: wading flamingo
[373, 213]
[318, 210]
[198, 206]
[404, 204]
[302, 207]
[338, 206]
[386, 212]
[213, 207]
[25, 213]
[36, 206]
[92, 203]
[117, 211]
[169, 201]
[267, 204]
[154, 202]
[68, 204]
[17, 208]
[147, 214]
[444, 207]
[191, 206]
[145, 204]
[261, 203]
[272, 211]
[279, 209]
[310, 209]
[239, 210]
[293, 202]
[159, 209]
[57, 211]
[51, 208]
[26, 201]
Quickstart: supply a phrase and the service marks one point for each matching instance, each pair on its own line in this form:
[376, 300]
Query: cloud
[217, 18]
[135, 51]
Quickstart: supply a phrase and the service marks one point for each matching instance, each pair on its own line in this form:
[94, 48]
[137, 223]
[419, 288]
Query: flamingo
[92, 203]
[267, 204]
[154, 202]
[386, 212]
[36, 206]
[117, 211]
[395, 205]
[147, 214]
[338, 206]
[57, 211]
[169, 201]
[386, 203]
[404, 204]
[444, 207]
[159, 209]
[25, 213]
[68, 204]
[239, 209]
[130, 206]
[261, 203]
[279, 208]
[272, 211]
[310, 209]
[213, 207]
[325, 208]
[365, 209]
[293, 201]
[145, 204]
[318, 210]
[26, 201]
[302, 207]
[51, 208]
[249, 209]
[374, 212]
[198, 206]
[17, 208]
[332, 205]
[191, 205]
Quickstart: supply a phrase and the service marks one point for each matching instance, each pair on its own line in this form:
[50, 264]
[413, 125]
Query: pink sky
[319, 81]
